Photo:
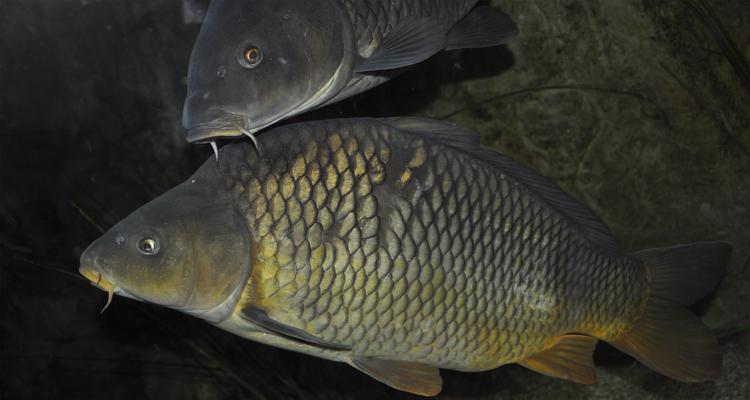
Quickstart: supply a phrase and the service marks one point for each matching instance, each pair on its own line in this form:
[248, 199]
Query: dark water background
[638, 108]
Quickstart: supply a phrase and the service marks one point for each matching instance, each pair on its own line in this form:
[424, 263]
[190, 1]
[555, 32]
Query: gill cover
[256, 62]
[187, 249]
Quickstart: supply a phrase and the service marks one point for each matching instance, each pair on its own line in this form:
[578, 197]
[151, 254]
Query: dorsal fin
[443, 131]
[467, 141]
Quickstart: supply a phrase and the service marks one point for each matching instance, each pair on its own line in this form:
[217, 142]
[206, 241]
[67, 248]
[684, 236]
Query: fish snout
[96, 278]
[213, 124]
[91, 270]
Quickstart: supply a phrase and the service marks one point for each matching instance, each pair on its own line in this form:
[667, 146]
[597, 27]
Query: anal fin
[571, 358]
[412, 377]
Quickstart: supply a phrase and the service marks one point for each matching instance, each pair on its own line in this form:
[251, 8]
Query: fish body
[258, 62]
[400, 246]
[373, 20]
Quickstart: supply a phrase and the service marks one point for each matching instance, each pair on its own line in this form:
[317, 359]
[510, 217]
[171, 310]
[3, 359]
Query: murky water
[637, 108]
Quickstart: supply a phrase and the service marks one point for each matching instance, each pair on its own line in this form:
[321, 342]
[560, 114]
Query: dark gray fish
[256, 62]
[399, 247]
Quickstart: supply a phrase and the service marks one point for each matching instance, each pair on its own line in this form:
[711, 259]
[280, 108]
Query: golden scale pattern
[374, 238]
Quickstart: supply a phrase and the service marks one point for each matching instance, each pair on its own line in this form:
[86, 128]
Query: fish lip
[96, 278]
[226, 125]
[100, 281]
[231, 126]
[206, 133]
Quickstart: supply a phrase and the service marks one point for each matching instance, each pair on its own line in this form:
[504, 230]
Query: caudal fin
[484, 26]
[669, 338]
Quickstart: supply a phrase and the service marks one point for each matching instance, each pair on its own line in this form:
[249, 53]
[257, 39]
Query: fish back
[372, 20]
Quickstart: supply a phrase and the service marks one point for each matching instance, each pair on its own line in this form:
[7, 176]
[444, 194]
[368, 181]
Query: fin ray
[261, 318]
[413, 40]
[570, 358]
[443, 131]
[407, 376]
[484, 26]
[674, 343]
[667, 337]
[683, 274]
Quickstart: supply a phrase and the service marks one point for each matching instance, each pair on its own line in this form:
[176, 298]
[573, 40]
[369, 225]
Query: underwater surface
[639, 109]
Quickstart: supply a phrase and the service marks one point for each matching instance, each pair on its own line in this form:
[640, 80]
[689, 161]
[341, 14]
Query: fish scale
[372, 20]
[399, 246]
[428, 252]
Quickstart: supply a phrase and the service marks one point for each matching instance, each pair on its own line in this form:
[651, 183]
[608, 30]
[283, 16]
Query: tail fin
[484, 26]
[669, 338]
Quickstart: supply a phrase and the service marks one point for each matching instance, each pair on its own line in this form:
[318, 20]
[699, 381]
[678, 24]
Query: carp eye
[148, 246]
[250, 57]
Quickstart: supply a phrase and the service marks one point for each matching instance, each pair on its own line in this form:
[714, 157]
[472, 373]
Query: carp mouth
[204, 134]
[224, 126]
[96, 278]
[227, 126]
[99, 281]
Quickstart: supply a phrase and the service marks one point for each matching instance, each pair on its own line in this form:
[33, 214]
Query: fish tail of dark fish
[484, 26]
[668, 337]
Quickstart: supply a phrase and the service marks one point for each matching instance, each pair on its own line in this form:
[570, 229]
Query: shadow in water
[419, 86]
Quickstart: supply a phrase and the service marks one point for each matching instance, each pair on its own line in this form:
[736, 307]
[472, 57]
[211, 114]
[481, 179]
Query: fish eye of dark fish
[257, 62]
[399, 247]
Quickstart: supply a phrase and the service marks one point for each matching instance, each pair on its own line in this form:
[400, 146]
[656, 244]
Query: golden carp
[399, 246]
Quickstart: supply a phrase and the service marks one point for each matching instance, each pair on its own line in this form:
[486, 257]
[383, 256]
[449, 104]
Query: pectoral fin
[259, 317]
[413, 40]
[570, 358]
[411, 377]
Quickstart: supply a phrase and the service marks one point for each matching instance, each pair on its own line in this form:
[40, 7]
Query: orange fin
[667, 337]
[411, 377]
[675, 343]
[571, 358]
